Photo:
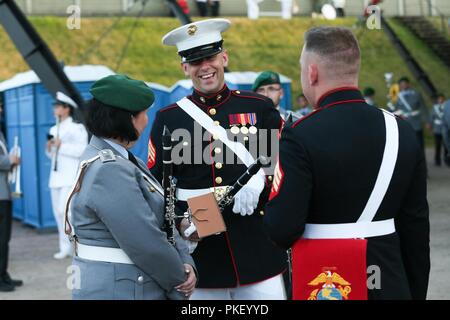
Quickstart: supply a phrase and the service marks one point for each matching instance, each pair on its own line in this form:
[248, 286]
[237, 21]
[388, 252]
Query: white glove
[190, 230]
[190, 244]
[246, 200]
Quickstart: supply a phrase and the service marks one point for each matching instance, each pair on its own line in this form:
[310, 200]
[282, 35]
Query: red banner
[329, 269]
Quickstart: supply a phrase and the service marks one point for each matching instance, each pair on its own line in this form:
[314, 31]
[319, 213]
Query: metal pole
[178, 12]
[401, 8]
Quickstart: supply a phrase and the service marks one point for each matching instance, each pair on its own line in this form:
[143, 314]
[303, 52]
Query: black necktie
[132, 158]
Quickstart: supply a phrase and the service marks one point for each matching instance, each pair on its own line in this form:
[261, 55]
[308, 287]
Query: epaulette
[106, 155]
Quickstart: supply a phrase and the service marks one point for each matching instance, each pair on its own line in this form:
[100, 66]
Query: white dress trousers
[270, 289]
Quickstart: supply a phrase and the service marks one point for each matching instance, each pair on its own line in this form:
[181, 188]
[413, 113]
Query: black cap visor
[61, 103]
[201, 52]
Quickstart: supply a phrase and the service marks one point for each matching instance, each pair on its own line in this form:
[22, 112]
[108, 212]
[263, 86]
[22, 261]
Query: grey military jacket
[446, 124]
[5, 167]
[116, 208]
[437, 115]
[414, 110]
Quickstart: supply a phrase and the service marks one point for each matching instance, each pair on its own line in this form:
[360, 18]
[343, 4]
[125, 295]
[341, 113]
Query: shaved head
[337, 49]
[330, 58]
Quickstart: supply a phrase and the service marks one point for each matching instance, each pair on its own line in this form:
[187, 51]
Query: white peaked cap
[61, 97]
[196, 34]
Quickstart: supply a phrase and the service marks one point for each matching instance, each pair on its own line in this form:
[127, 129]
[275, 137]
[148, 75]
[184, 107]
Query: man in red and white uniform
[349, 192]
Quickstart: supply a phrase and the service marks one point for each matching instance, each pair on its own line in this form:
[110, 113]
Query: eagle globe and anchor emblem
[333, 287]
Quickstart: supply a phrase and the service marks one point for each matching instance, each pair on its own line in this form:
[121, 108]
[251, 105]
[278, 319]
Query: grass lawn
[441, 25]
[268, 43]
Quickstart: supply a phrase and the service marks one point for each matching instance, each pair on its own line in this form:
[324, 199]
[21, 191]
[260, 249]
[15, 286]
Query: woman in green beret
[117, 217]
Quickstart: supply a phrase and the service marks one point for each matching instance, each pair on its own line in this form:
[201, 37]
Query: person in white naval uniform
[66, 143]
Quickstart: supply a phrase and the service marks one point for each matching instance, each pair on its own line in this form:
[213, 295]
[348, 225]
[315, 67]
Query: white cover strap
[386, 169]
[104, 254]
[206, 122]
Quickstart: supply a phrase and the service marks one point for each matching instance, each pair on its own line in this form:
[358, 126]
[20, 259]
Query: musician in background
[7, 163]
[446, 131]
[436, 121]
[369, 96]
[118, 214]
[66, 142]
[411, 106]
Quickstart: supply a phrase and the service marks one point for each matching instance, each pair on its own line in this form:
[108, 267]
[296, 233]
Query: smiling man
[241, 263]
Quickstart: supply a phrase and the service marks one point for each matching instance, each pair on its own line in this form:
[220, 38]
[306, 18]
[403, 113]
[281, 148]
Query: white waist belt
[349, 230]
[104, 254]
[184, 194]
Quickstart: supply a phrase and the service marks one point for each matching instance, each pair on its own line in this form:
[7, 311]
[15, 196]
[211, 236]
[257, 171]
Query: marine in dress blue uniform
[241, 263]
[327, 179]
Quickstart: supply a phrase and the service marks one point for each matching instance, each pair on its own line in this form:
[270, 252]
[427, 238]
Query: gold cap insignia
[192, 30]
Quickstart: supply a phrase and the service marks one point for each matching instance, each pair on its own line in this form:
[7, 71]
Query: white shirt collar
[121, 149]
[66, 120]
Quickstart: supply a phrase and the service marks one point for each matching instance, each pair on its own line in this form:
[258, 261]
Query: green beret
[368, 92]
[122, 92]
[403, 79]
[265, 78]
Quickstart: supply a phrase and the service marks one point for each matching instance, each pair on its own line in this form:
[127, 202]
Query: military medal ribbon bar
[242, 119]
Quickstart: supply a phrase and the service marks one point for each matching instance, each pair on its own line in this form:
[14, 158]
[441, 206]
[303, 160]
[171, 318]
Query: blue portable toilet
[235, 81]
[179, 90]
[29, 116]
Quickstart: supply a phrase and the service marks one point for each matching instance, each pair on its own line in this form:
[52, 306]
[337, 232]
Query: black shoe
[6, 287]
[16, 283]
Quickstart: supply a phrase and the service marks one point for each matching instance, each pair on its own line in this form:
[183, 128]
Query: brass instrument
[55, 152]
